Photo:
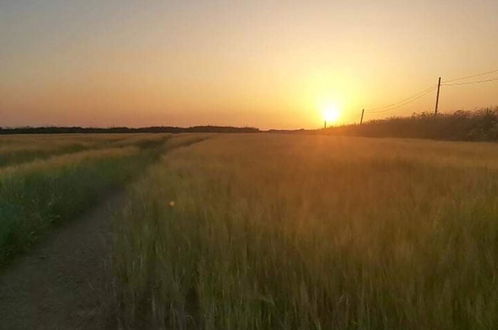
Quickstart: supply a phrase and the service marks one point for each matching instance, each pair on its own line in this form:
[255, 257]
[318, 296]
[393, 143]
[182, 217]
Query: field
[267, 231]
[247, 232]
[45, 180]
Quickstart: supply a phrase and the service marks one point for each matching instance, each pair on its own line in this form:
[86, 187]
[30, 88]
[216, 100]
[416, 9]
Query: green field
[267, 231]
[45, 180]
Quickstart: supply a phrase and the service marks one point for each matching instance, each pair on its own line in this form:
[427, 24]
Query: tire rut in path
[63, 282]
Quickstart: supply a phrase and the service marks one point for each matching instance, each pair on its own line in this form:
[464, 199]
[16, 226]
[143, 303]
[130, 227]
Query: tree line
[154, 129]
[480, 125]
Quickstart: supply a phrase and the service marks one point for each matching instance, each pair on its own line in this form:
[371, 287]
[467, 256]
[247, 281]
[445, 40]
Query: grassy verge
[286, 232]
[16, 150]
[23, 154]
[38, 195]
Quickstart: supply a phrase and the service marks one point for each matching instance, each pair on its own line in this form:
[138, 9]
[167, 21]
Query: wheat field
[269, 231]
[49, 179]
[311, 232]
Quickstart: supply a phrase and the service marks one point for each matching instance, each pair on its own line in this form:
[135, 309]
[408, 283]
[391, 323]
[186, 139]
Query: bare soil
[63, 282]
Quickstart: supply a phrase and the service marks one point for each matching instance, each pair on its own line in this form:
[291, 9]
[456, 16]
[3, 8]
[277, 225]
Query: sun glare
[331, 114]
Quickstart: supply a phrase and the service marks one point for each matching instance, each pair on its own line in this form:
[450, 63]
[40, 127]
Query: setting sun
[230, 164]
[331, 114]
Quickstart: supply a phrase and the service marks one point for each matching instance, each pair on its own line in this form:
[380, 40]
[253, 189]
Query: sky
[266, 64]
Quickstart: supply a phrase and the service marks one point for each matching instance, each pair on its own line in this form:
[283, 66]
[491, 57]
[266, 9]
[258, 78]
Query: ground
[61, 283]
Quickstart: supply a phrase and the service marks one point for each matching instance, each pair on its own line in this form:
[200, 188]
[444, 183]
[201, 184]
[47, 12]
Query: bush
[481, 125]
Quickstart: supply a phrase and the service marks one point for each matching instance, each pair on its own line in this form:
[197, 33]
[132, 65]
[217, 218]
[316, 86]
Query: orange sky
[269, 64]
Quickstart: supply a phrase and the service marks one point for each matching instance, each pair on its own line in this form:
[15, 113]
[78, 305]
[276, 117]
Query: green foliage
[30, 203]
[36, 196]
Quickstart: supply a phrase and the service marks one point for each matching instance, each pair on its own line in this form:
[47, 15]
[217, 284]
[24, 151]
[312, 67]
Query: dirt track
[63, 282]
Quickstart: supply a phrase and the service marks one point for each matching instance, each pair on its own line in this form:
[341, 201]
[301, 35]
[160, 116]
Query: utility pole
[437, 95]
[362, 113]
[325, 123]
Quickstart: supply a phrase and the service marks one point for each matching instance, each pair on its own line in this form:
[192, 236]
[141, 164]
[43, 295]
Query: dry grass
[310, 232]
[18, 149]
[65, 160]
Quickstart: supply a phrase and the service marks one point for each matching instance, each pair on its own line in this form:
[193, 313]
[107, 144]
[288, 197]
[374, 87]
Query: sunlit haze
[331, 114]
[267, 64]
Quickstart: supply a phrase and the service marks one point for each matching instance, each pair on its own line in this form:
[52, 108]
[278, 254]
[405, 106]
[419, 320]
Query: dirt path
[61, 283]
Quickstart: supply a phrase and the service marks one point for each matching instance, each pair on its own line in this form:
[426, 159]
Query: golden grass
[311, 232]
[66, 160]
[18, 149]
[53, 141]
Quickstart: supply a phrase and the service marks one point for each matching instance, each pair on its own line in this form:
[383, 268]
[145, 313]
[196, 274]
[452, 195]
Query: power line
[422, 93]
[403, 102]
[471, 76]
[470, 82]
[400, 105]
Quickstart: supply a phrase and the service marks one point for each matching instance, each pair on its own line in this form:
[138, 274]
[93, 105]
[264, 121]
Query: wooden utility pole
[362, 113]
[437, 95]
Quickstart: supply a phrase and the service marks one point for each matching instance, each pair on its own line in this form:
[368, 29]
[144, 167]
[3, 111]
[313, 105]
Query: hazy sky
[256, 63]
